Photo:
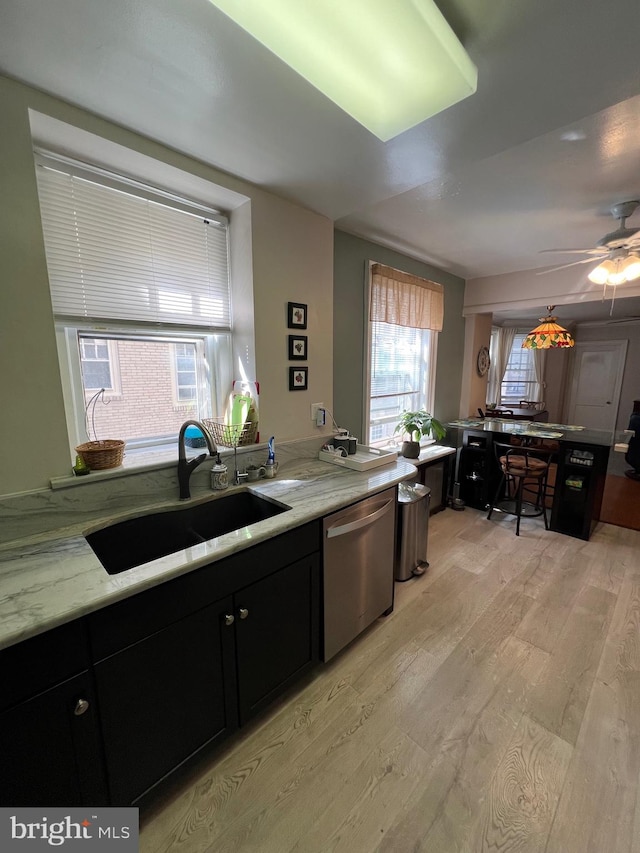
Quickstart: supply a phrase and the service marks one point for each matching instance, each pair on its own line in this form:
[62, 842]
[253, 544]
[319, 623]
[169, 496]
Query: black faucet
[186, 466]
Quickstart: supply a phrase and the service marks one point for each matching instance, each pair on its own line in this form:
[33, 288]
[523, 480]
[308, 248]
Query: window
[185, 361]
[519, 381]
[97, 364]
[150, 272]
[405, 316]
[401, 361]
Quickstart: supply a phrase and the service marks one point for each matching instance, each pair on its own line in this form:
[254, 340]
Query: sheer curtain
[539, 361]
[503, 341]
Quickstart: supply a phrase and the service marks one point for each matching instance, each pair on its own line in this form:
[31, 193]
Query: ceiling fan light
[598, 275]
[601, 273]
[616, 278]
[631, 268]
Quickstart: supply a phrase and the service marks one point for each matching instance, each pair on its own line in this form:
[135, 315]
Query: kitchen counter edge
[48, 581]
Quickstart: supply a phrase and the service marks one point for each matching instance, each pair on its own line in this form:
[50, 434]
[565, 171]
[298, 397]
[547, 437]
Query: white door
[595, 384]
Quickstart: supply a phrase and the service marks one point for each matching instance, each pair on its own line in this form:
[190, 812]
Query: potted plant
[417, 424]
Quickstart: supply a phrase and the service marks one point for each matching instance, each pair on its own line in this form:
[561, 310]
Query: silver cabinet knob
[82, 706]
[229, 619]
[243, 612]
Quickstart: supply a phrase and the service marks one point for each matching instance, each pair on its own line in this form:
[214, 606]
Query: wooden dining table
[522, 413]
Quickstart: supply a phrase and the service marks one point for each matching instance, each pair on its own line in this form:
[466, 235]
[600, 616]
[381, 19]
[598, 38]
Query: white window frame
[177, 402]
[217, 349]
[114, 365]
[531, 384]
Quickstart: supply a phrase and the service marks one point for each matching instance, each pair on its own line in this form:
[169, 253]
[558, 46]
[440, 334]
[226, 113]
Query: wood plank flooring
[496, 709]
[621, 501]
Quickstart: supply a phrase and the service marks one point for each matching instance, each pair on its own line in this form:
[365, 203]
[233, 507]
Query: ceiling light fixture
[621, 267]
[548, 334]
[389, 65]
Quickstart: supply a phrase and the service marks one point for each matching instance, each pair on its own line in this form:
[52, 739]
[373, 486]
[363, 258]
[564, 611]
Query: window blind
[114, 255]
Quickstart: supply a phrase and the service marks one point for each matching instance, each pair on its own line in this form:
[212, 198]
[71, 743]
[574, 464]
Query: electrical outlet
[317, 413]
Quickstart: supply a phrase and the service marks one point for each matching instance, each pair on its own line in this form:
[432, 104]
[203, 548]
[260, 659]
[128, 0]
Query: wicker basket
[227, 435]
[100, 455]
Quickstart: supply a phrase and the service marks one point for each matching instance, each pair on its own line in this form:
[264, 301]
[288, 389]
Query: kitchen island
[581, 460]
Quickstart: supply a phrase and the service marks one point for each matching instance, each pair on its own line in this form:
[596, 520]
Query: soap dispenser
[219, 476]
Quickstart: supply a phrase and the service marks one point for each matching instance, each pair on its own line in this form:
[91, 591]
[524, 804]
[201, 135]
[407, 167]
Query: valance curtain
[406, 300]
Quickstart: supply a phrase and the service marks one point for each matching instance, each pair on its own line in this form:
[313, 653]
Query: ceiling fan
[618, 251]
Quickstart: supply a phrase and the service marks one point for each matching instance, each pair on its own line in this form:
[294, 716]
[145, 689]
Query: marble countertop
[563, 432]
[431, 453]
[51, 579]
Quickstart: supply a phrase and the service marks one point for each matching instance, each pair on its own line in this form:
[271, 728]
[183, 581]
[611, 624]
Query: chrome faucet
[186, 466]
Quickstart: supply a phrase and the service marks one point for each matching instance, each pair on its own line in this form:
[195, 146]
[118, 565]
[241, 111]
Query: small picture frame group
[297, 347]
[296, 315]
[298, 378]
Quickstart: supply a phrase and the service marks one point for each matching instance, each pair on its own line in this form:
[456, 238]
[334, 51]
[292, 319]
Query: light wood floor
[497, 709]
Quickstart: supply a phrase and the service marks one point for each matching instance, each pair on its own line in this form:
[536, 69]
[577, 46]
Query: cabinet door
[51, 751]
[162, 699]
[277, 633]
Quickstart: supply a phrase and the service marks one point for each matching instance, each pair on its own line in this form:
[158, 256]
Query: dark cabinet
[50, 747]
[166, 697]
[436, 475]
[579, 487]
[49, 729]
[182, 665]
[476, 469]
[277, 633]
[101, 710]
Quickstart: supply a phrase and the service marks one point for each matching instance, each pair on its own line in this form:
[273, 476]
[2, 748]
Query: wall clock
[483, 361]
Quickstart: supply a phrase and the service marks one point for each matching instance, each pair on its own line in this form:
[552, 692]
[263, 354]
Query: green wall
[351, 257]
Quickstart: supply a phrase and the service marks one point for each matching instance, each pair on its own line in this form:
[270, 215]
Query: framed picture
[298, 378]
[296, 315]
[297, 347]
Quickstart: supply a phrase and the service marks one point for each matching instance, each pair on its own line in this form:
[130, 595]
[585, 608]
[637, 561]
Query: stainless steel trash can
[413, 529]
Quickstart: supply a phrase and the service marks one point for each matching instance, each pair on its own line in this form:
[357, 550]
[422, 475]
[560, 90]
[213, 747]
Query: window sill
[142, 461]
[397, 445]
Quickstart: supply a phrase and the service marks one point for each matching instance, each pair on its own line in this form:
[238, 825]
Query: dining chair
[523, 469]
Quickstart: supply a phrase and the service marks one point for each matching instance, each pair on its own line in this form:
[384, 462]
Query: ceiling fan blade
[564, 266]
[600, 251]
[623, 320]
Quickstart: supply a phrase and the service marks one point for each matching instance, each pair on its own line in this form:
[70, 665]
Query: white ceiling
[532, 161]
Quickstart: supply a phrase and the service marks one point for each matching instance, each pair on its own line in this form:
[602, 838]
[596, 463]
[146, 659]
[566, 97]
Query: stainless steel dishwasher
[359, 545]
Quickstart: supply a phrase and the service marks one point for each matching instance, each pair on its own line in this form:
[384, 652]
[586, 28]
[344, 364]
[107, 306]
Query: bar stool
[520, 465]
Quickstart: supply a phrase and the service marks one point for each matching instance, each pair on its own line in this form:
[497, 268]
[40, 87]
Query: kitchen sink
[138, 540]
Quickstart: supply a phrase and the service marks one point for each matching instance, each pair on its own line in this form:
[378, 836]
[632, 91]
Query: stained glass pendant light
[548, 334]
